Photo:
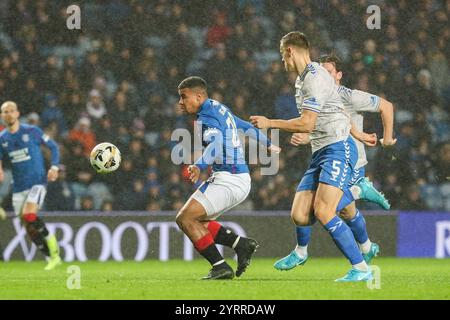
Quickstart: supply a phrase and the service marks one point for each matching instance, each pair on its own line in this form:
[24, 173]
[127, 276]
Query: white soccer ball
[105, 158]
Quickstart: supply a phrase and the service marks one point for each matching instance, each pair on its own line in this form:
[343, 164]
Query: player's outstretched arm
[387, 116]
[2, 174]
[255, 134]
[305, 123]
[298, 139]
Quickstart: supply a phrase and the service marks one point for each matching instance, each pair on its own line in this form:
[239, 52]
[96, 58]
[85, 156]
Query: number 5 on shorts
[336, 169]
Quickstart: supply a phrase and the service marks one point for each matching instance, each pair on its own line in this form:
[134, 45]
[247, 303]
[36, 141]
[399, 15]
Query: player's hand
[300, 138]
[260, 122]
[52, 175]
[2, 175]
[387, 142]
[369, 139]
[2, 214]
[275, 148]
[194, 173]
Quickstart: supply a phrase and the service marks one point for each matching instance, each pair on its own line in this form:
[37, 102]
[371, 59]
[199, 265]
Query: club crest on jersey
[5, 144]
[26, 138]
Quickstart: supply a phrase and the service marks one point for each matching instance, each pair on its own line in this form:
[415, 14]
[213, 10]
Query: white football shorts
[222, 191]
[34, 195]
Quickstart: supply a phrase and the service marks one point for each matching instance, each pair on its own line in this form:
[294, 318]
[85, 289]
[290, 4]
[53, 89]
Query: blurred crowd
[116, 80]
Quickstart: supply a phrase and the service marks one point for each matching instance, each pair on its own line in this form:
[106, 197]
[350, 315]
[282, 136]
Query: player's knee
[300, 219]
[346, 215]
[184, 219]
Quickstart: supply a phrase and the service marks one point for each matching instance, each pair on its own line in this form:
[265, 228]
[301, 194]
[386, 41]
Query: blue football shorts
[333, 165]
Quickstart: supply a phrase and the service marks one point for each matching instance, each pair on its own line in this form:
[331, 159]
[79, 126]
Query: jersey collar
[204, 107]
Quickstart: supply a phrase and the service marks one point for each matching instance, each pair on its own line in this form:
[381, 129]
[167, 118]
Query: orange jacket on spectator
[83, 134]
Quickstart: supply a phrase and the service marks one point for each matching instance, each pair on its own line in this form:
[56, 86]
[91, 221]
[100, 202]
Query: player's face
[10, 115]
[190, 100]
[286, 57]
[330, 67]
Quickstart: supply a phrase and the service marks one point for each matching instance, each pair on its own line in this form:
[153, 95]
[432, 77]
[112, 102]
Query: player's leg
[36, 228]
[191, 220]
[361, 188]
[225, 192]
[337, 163]
[302, 216]
[326, 201]
[355, 220]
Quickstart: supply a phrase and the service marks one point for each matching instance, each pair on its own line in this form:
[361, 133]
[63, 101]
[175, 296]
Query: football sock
[37, 232]
[207, 248]
[303, 237]
[356, 192]
[359, 230]
[344, 240]
[224, 236]
[346, 199]
[366, 246]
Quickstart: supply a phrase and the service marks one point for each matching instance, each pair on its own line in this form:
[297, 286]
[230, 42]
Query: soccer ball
[105, 157]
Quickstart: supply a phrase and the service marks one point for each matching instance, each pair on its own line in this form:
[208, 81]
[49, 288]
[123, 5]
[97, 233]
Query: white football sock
[365, 247]
[356, 192]
[302, 251]
[362, 266]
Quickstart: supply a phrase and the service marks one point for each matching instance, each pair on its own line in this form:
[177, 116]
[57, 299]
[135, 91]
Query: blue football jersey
[23, 150]
[219, 129]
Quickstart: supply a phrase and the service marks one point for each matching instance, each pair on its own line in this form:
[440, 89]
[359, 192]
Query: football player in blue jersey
[21, 145]
[228, 185]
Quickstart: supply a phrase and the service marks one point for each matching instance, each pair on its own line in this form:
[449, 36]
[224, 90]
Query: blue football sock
[358, 227]
[346, 199]
[303, 235]
[343, 237]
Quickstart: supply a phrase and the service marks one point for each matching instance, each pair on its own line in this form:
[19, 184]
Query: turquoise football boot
[374, 250]
[369, 193]
[290, 261]
[356, 275]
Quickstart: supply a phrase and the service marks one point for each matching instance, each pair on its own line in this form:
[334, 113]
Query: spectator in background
[86, 203]
[60, 194]
[95, 107]
[53, 113]
[83, 134]
[219, 31]
[285, 107]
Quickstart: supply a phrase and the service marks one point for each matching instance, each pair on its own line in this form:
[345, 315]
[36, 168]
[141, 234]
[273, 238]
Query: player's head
[333, 65]
[193, 92]
[293, 45]
[10, 113]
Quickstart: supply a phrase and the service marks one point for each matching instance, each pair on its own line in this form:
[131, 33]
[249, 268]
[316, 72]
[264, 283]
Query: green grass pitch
[400, 279]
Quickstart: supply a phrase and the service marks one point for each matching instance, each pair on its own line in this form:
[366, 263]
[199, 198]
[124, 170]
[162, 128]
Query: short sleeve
[313, 94]
[365, 102]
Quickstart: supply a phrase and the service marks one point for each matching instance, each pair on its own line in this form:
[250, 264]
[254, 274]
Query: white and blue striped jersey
[316, 90]
[356, 101]
[23, 150]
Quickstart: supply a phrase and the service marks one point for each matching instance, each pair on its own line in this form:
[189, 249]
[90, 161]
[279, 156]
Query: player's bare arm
[299, 138]
[387, 115]
[305, 123]
[2, 174]
[369, 139]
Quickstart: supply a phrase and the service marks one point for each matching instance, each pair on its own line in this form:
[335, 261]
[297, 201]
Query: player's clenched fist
[388, 142]
[299, 138]
[260, 122]
[52, 174]
[194, 173]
